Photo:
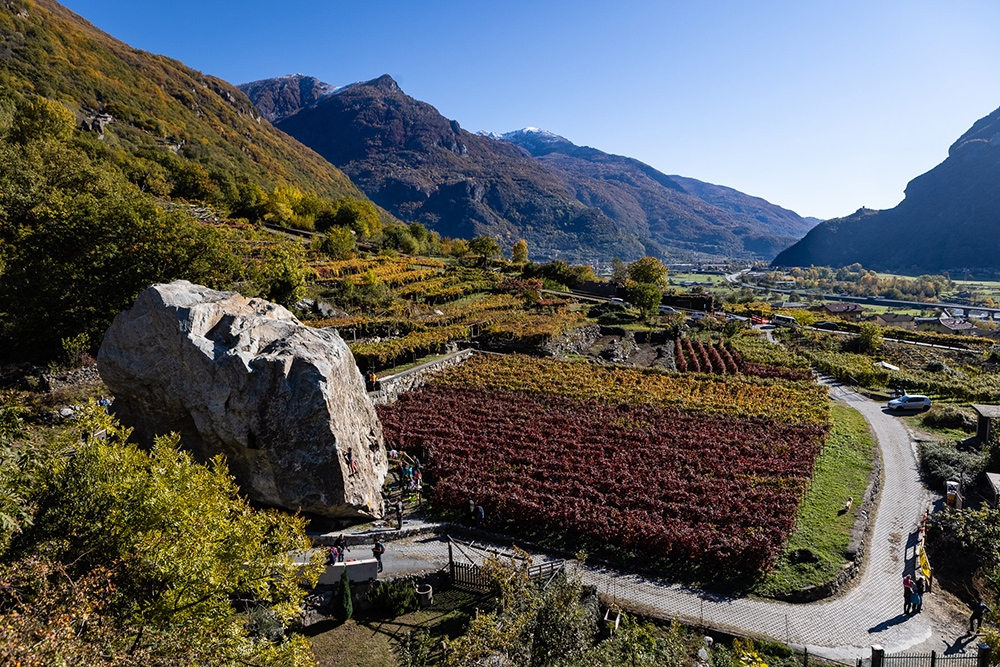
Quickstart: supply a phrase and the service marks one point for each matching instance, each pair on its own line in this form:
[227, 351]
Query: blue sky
[821, 107]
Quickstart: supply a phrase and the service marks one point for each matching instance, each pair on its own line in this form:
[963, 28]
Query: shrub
[611, 314]
[943, 462]
[948, 416]
[343, 607]
[393, 598]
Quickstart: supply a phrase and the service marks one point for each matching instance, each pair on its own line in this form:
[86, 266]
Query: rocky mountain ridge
[566, 200]
[676, 207]
[281, 97]
[947, 220]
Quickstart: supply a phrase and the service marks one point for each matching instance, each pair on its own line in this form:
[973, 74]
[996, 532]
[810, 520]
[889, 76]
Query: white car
[667, 310]
[910, 402]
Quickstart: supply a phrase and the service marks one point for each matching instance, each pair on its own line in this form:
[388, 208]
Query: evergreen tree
[344, 608]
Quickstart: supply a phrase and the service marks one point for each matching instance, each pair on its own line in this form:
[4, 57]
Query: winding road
[841, 628]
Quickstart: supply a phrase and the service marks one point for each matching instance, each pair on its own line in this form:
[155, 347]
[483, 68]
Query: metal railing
[932, 659]
[978, 658]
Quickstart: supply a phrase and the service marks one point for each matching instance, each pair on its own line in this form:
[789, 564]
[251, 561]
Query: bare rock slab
[283, 402]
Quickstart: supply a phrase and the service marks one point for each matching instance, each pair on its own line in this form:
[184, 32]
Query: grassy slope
[842, 471]
[57, 54]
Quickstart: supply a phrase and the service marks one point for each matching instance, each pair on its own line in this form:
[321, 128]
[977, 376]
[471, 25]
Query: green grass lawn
[916, 422]
[842, 471]
[369, 641]
[701, 278]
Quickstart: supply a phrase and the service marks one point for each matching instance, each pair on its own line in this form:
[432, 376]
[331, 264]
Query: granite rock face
[283, 402]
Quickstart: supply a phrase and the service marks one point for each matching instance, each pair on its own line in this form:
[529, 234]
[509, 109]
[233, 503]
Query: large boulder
[283, 402]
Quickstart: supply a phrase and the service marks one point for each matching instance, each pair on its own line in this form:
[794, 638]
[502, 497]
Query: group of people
[913, 601]
[913, 594]
[339, 549]
[410, 475]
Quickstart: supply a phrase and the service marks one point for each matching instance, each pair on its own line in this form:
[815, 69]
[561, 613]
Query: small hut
[984, 427]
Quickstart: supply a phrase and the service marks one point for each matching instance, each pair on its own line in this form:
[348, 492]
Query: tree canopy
[79, 241]
[485, 247]
[645, 296]
[519, 252]
[648, 270]
[172, 565]
[556, 626]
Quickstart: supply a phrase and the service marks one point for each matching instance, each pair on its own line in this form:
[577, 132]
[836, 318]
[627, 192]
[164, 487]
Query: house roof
[956, 324]
[844, 307]
[990, 411]
[895, 317]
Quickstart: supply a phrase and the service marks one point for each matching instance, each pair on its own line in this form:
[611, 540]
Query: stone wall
[391, 386]
[574, 341]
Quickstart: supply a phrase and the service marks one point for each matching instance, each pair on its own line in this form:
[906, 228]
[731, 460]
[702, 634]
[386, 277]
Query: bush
[393, 598]
[948, 416]
[943, 462]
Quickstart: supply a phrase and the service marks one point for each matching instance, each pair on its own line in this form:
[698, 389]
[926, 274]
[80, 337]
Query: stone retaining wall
[391, 386]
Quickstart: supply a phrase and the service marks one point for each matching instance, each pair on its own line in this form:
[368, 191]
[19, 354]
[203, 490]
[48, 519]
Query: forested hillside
[104, 151]
[174, 130]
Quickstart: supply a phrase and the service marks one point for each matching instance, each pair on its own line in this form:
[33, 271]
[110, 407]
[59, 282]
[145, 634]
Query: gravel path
[841, 628]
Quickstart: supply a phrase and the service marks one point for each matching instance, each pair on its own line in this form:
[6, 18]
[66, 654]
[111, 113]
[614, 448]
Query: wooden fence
[470, 575]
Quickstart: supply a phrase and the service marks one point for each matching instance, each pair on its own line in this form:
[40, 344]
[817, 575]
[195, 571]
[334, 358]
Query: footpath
[842, 628]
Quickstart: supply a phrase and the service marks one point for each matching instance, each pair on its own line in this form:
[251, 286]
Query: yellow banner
[925, 566]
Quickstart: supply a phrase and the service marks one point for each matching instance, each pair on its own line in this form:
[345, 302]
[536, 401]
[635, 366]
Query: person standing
[399, 514]
[340, 544]
[377, 550]
[917, 597]
[978, 610]
[907, 594]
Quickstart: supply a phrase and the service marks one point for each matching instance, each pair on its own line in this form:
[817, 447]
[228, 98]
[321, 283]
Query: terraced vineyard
[696, 469]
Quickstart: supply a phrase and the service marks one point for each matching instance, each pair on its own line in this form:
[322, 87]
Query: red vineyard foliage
[697, 357]
[714, 490]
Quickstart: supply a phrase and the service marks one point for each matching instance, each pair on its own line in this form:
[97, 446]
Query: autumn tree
[619, 272]
[648, 270]
[337, 243]
[519, 253]
[870, 337]
[486, 248]
[645, 296]
[554, 626]
[170, 558]
[358, 214]
[42, 119]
